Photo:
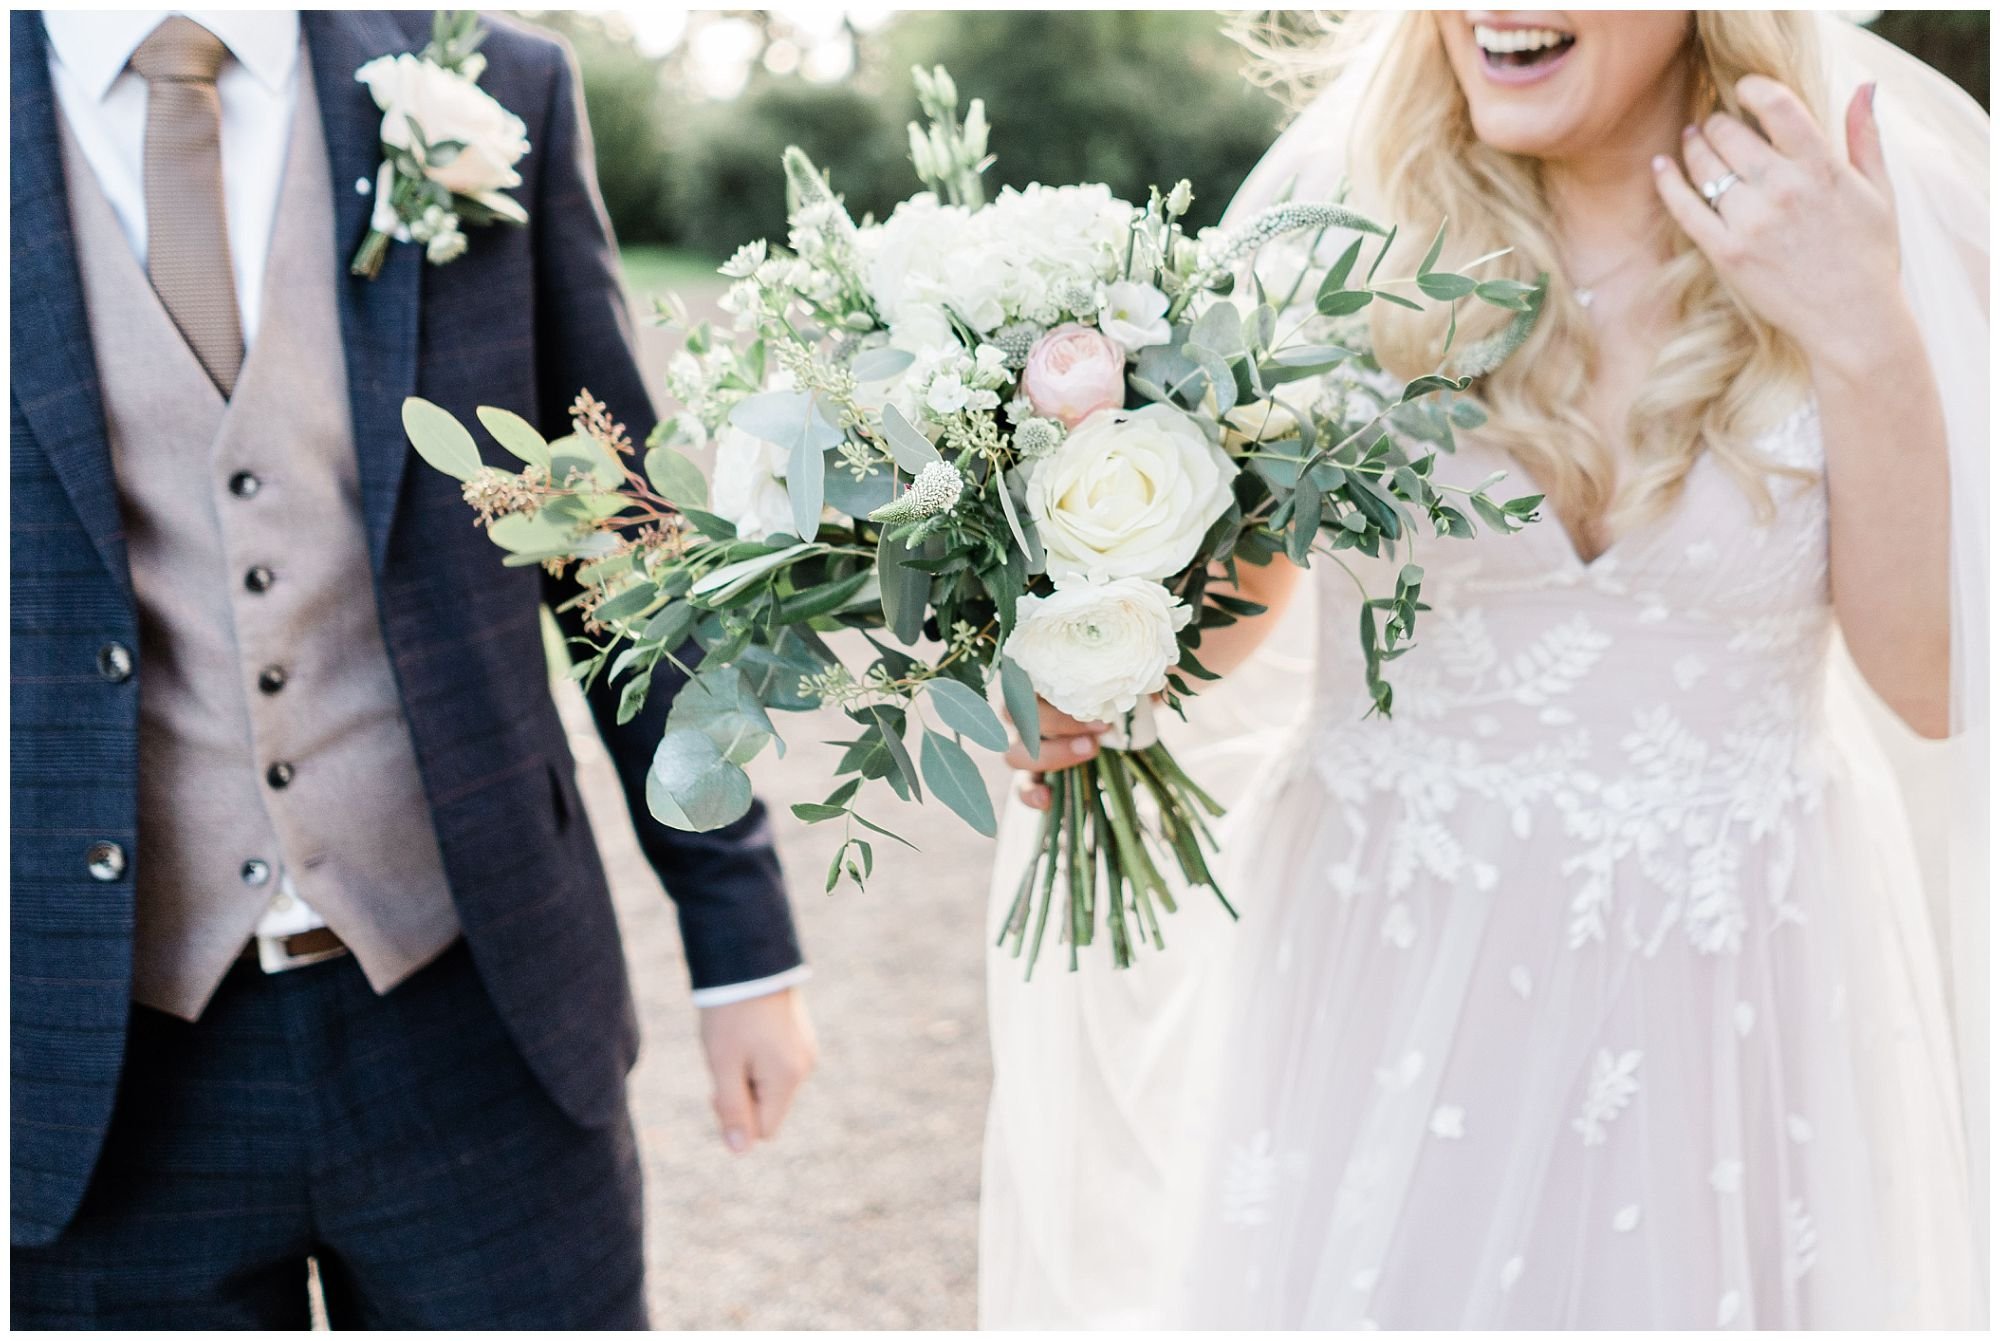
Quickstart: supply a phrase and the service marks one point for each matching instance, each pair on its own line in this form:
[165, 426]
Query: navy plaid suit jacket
[523, 320]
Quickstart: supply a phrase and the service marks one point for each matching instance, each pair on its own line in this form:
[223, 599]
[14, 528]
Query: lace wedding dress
[1595, 989]
[1600, 985]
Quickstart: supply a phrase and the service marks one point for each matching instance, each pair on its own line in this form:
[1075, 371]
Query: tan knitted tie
[187, 229]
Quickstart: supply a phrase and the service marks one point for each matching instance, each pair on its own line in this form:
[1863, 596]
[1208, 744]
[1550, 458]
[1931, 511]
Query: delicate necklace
[1586, 294]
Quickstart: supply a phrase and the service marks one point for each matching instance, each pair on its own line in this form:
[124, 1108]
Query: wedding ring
[1714, 191]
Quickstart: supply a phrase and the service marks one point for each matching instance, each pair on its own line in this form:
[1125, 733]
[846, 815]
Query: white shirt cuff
[730, 993]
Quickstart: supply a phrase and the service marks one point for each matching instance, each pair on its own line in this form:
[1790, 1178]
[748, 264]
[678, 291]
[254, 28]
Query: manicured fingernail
[1082, 746]
[1660, 162]
[736, 1140]
[1687, 132]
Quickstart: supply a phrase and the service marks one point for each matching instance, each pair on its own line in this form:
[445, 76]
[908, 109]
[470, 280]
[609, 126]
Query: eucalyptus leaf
[676, 478]
[955, 780]
[967, 712]
[516, 434]
[805, 484]
[905, 589]
[877, 365]
[912, 450]
[858, 498]
[691, 787]
[785, 418]
[721, 704]
[440, 439]
[1017, 690]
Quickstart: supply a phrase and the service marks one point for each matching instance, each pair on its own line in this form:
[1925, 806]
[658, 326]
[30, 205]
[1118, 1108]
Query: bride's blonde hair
[1722, 375]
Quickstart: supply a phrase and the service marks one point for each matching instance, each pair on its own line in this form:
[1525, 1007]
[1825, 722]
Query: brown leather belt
[307, 947]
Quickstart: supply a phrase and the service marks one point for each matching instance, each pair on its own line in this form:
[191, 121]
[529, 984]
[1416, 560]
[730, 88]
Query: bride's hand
[1066, 743]
[1806, 235]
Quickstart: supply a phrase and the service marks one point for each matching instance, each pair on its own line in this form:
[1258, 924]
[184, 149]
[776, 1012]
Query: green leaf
[858, 498]
[905, 589]
[1437, 247]
[805, 483]
[912, 450]
[627, 603]
[955, 780]
[1342, 302]
[1336, 278]
[440, 439]
[888, 726]
[821, 599]
[726, 581]
[812, 812]
[691, 787]
[785, 418]
[1509, 293]
[516, 434]
[671, 626]
[1023, 706]
[676, 478]
[1219, 330]
[1398, 299]
[1446, 287]
[965, 712]
[720, 704]
[1478, 359]
[870, 824]
[876, 365]
[634, 697]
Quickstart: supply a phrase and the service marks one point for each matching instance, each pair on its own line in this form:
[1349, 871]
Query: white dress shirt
[104, 103]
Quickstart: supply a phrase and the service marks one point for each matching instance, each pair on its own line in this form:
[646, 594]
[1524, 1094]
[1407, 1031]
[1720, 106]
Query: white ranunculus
[1095, 649]
[1135, 315]
[448, 106]
[1129, 493]
[905, 253]
[749, 484]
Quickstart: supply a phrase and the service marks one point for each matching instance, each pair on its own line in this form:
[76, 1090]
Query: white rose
[1094, 650]
[1135, 315]
[749, 484]
[1129, 493]
[448, 106]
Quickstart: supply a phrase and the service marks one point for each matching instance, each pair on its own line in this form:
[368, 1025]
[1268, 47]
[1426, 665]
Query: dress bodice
[1659, 705]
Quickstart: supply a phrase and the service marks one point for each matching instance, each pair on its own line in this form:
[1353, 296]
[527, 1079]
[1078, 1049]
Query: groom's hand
[759, 1052]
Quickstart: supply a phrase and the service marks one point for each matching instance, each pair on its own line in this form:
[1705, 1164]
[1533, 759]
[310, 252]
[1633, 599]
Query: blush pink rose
[1073, 372]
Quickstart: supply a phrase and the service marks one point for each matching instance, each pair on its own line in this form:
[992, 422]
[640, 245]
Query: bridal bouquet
[1018, 443]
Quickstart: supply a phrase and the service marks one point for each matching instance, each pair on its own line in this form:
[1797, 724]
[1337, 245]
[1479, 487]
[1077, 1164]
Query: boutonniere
[448, 149]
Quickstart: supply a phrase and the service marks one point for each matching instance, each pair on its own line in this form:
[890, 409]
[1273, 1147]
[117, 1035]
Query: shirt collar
[95, 46]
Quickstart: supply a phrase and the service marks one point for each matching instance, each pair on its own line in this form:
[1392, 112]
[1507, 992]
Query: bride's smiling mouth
[1521, 54]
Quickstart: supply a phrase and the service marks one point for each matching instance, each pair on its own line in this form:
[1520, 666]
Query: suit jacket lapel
[378, 317]
[54, 371]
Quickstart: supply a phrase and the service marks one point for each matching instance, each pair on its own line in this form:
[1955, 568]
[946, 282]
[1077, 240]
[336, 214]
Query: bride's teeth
[1506, 41]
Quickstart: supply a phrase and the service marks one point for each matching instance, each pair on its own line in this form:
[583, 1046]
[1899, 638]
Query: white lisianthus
[749, 485]
[1135, 315]
[1129, 493]
[447, 106]
[1095, 649]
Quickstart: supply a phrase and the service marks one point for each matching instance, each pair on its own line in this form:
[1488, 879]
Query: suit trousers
[399, 1141]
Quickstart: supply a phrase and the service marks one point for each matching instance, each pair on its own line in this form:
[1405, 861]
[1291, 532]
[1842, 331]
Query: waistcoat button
[244, 485]
[271, 679]
[114, 662]
[259, 578]
[105, 861]
[279, 775]
[256, 872]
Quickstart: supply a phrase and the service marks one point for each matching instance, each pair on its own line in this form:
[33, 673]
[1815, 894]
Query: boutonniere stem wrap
[448, 149]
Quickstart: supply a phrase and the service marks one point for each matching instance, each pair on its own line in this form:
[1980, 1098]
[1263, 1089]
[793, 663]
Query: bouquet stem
[1096, 838]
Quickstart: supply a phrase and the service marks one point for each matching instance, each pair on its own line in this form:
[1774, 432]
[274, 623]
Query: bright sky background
[724, 49]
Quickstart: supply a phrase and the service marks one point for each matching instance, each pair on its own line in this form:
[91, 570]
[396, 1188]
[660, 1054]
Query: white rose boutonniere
[448, 149]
